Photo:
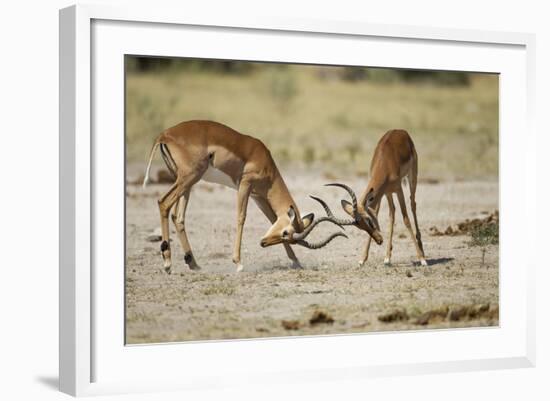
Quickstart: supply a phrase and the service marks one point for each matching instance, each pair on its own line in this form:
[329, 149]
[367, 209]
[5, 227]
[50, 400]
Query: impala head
[287, 229]
[365, 220]
[362, 218]
[284, 228]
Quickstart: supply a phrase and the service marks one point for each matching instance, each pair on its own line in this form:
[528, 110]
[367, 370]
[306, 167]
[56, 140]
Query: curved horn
[340, 222]
[348, 190]
[330, 217]
[372, 216]
[317, 245]
[308, 229]
[370, 212]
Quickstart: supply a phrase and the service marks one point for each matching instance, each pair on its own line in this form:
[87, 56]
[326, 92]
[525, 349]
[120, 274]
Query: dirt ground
[330, 294]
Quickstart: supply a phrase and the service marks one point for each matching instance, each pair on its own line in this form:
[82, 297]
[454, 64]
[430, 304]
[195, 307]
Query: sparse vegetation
[455, 127]
[319, 128]
[483, 236]
[482, 229]
[217, 303]
[282, 88]
[219, 289]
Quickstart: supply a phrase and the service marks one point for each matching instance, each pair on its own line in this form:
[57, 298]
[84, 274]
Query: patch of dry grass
[324, 124]
[219, 289]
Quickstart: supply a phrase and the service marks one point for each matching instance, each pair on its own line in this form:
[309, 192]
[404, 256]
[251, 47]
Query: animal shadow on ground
[439, 261]
[278, 266]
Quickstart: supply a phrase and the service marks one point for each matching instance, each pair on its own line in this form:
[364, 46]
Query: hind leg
[412, 183]
[403, 206]
[178, 217]
[263, 205]
[166, 202]
[387, 259]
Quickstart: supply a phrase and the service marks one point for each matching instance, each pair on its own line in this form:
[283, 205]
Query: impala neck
[279, 198]
[375, 190]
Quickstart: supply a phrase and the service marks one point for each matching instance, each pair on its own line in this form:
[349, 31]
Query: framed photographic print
[273, 200]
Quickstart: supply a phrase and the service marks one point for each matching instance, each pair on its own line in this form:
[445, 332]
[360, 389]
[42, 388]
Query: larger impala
[195, 150]
[394, 159]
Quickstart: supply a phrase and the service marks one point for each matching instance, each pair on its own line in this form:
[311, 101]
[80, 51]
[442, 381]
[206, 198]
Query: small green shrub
[485, 235]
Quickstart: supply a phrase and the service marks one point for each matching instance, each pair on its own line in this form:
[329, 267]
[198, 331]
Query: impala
[213, 152]
[394, 159]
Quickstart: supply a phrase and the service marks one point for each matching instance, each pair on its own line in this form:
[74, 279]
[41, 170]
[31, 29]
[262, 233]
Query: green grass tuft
[485, 235]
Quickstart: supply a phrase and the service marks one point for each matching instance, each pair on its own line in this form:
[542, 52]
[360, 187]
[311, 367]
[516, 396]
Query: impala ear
[291, 214]
[308, 219]
[370, 196]
[348, 207]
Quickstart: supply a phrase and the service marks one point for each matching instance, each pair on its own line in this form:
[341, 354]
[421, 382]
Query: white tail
[146, 179]
[195, 150]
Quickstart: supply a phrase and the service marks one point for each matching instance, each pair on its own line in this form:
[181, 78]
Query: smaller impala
[195, 150]
[394, 159]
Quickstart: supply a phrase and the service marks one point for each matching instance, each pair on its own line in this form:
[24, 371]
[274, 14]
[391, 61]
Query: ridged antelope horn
[341, 222]
[370, 212]
[317, 245]
[302, 235]
[348, 190]
[330, 217]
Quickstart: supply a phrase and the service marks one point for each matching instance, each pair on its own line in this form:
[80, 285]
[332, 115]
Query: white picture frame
[93, 358]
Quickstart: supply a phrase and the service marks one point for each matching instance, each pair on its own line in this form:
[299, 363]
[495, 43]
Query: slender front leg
[292, 256]
[266, 209]
[387, 259]
[367, 247]
[178, 217]
[419, 252]
[242, 203]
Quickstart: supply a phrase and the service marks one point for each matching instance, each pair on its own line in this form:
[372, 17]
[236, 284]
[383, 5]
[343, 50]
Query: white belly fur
[218, 177]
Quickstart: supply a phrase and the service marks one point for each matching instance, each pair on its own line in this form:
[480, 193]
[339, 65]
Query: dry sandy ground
[269, 299]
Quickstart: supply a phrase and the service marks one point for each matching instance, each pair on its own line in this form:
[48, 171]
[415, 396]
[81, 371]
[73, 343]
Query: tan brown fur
[394, 159]
[193, 146]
